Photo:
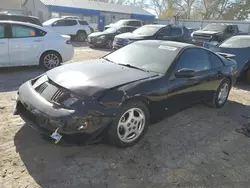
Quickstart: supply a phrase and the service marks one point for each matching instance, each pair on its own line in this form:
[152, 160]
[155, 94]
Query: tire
[109, 44]
[81, 36]
[136, 117]
[248, 76]
[50, 60]
[220, 97]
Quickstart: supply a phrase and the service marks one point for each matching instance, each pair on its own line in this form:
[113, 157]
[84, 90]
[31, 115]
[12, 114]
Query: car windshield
[111, 30]
[215, 27]
[158, 57]
[236, 42]
[48, 22]
[120, 22]
[146, 30]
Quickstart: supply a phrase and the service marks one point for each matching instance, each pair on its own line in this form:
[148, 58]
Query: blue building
[94, 12]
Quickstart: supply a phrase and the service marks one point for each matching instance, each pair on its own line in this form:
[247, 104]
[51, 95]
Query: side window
[20, 31]
[215, 61]
[164, 33]
[134, 23]
[81, 22]
[60, 23]
[196, 59]
[176, 32]
[71, 22]
[2, 31]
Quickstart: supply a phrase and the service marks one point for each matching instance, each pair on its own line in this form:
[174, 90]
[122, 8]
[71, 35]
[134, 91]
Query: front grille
[59, 96]
[41, 88]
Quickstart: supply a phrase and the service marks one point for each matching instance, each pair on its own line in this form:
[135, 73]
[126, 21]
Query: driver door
[185, 91]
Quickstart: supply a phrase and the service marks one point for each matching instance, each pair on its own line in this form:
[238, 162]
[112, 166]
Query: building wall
[110, 17]
[38, 9]
[12, 11]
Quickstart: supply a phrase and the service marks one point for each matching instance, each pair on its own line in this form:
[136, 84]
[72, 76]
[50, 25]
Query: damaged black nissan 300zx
[119, 92]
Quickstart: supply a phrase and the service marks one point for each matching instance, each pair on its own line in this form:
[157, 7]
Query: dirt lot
[197, 147]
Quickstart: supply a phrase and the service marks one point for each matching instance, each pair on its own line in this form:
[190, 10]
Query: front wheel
[130, 124]
[109, 44]
[221, 95]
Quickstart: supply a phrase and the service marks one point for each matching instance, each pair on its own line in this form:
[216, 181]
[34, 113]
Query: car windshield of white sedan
[146, 30]
[236, 42]
[150, 57]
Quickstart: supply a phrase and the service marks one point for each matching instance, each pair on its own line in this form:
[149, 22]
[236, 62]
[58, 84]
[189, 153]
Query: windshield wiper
[133, 67]
[108, 60]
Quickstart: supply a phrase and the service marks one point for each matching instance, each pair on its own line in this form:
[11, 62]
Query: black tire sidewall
[112, 132]
[77, 36]
[215, 100]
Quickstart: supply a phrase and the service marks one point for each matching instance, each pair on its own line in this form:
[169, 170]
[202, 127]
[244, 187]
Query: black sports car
[122, 90]
[240, 47]
[105, 38]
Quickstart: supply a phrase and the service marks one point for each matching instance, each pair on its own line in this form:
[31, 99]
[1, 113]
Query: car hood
[131, 36]
[241, 55]
[92, 78]
[96, 34]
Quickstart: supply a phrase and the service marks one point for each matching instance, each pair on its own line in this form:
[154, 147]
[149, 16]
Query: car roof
[19, 15]
[23, 23]
[166, 43]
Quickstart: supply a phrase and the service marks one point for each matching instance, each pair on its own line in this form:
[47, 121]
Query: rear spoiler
[225, 55]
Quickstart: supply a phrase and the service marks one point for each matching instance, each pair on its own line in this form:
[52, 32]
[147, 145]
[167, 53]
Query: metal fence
[198, 24]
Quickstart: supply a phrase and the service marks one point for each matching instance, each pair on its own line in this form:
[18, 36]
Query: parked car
[157, 32]
[76, 28]
[121, 91]
[106, 38]
[215, 33]
[21, 18]
[240, 47]
[24, 44]
[126, 22]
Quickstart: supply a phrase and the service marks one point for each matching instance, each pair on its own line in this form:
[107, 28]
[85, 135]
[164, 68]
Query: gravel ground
[197, 147]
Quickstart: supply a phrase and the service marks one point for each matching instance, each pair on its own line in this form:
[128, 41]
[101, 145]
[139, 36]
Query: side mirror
[160, 36]
[184, 73]
[118, 32]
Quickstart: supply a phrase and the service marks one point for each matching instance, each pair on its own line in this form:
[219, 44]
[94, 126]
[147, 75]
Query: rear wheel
[221, 95]
[50, 60]
[81, 36]
[130, 124]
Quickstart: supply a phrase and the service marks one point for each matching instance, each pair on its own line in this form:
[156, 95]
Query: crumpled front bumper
[46, 118]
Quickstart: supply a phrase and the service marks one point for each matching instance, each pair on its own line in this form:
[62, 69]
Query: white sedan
[24, 44]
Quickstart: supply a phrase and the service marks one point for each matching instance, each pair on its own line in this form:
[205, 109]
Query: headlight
[40, 81]
[101, 37]
[70, 101]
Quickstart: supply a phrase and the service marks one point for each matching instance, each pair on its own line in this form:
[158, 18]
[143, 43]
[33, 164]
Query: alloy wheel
[51, 61]
[223, 93]
[131, 125]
